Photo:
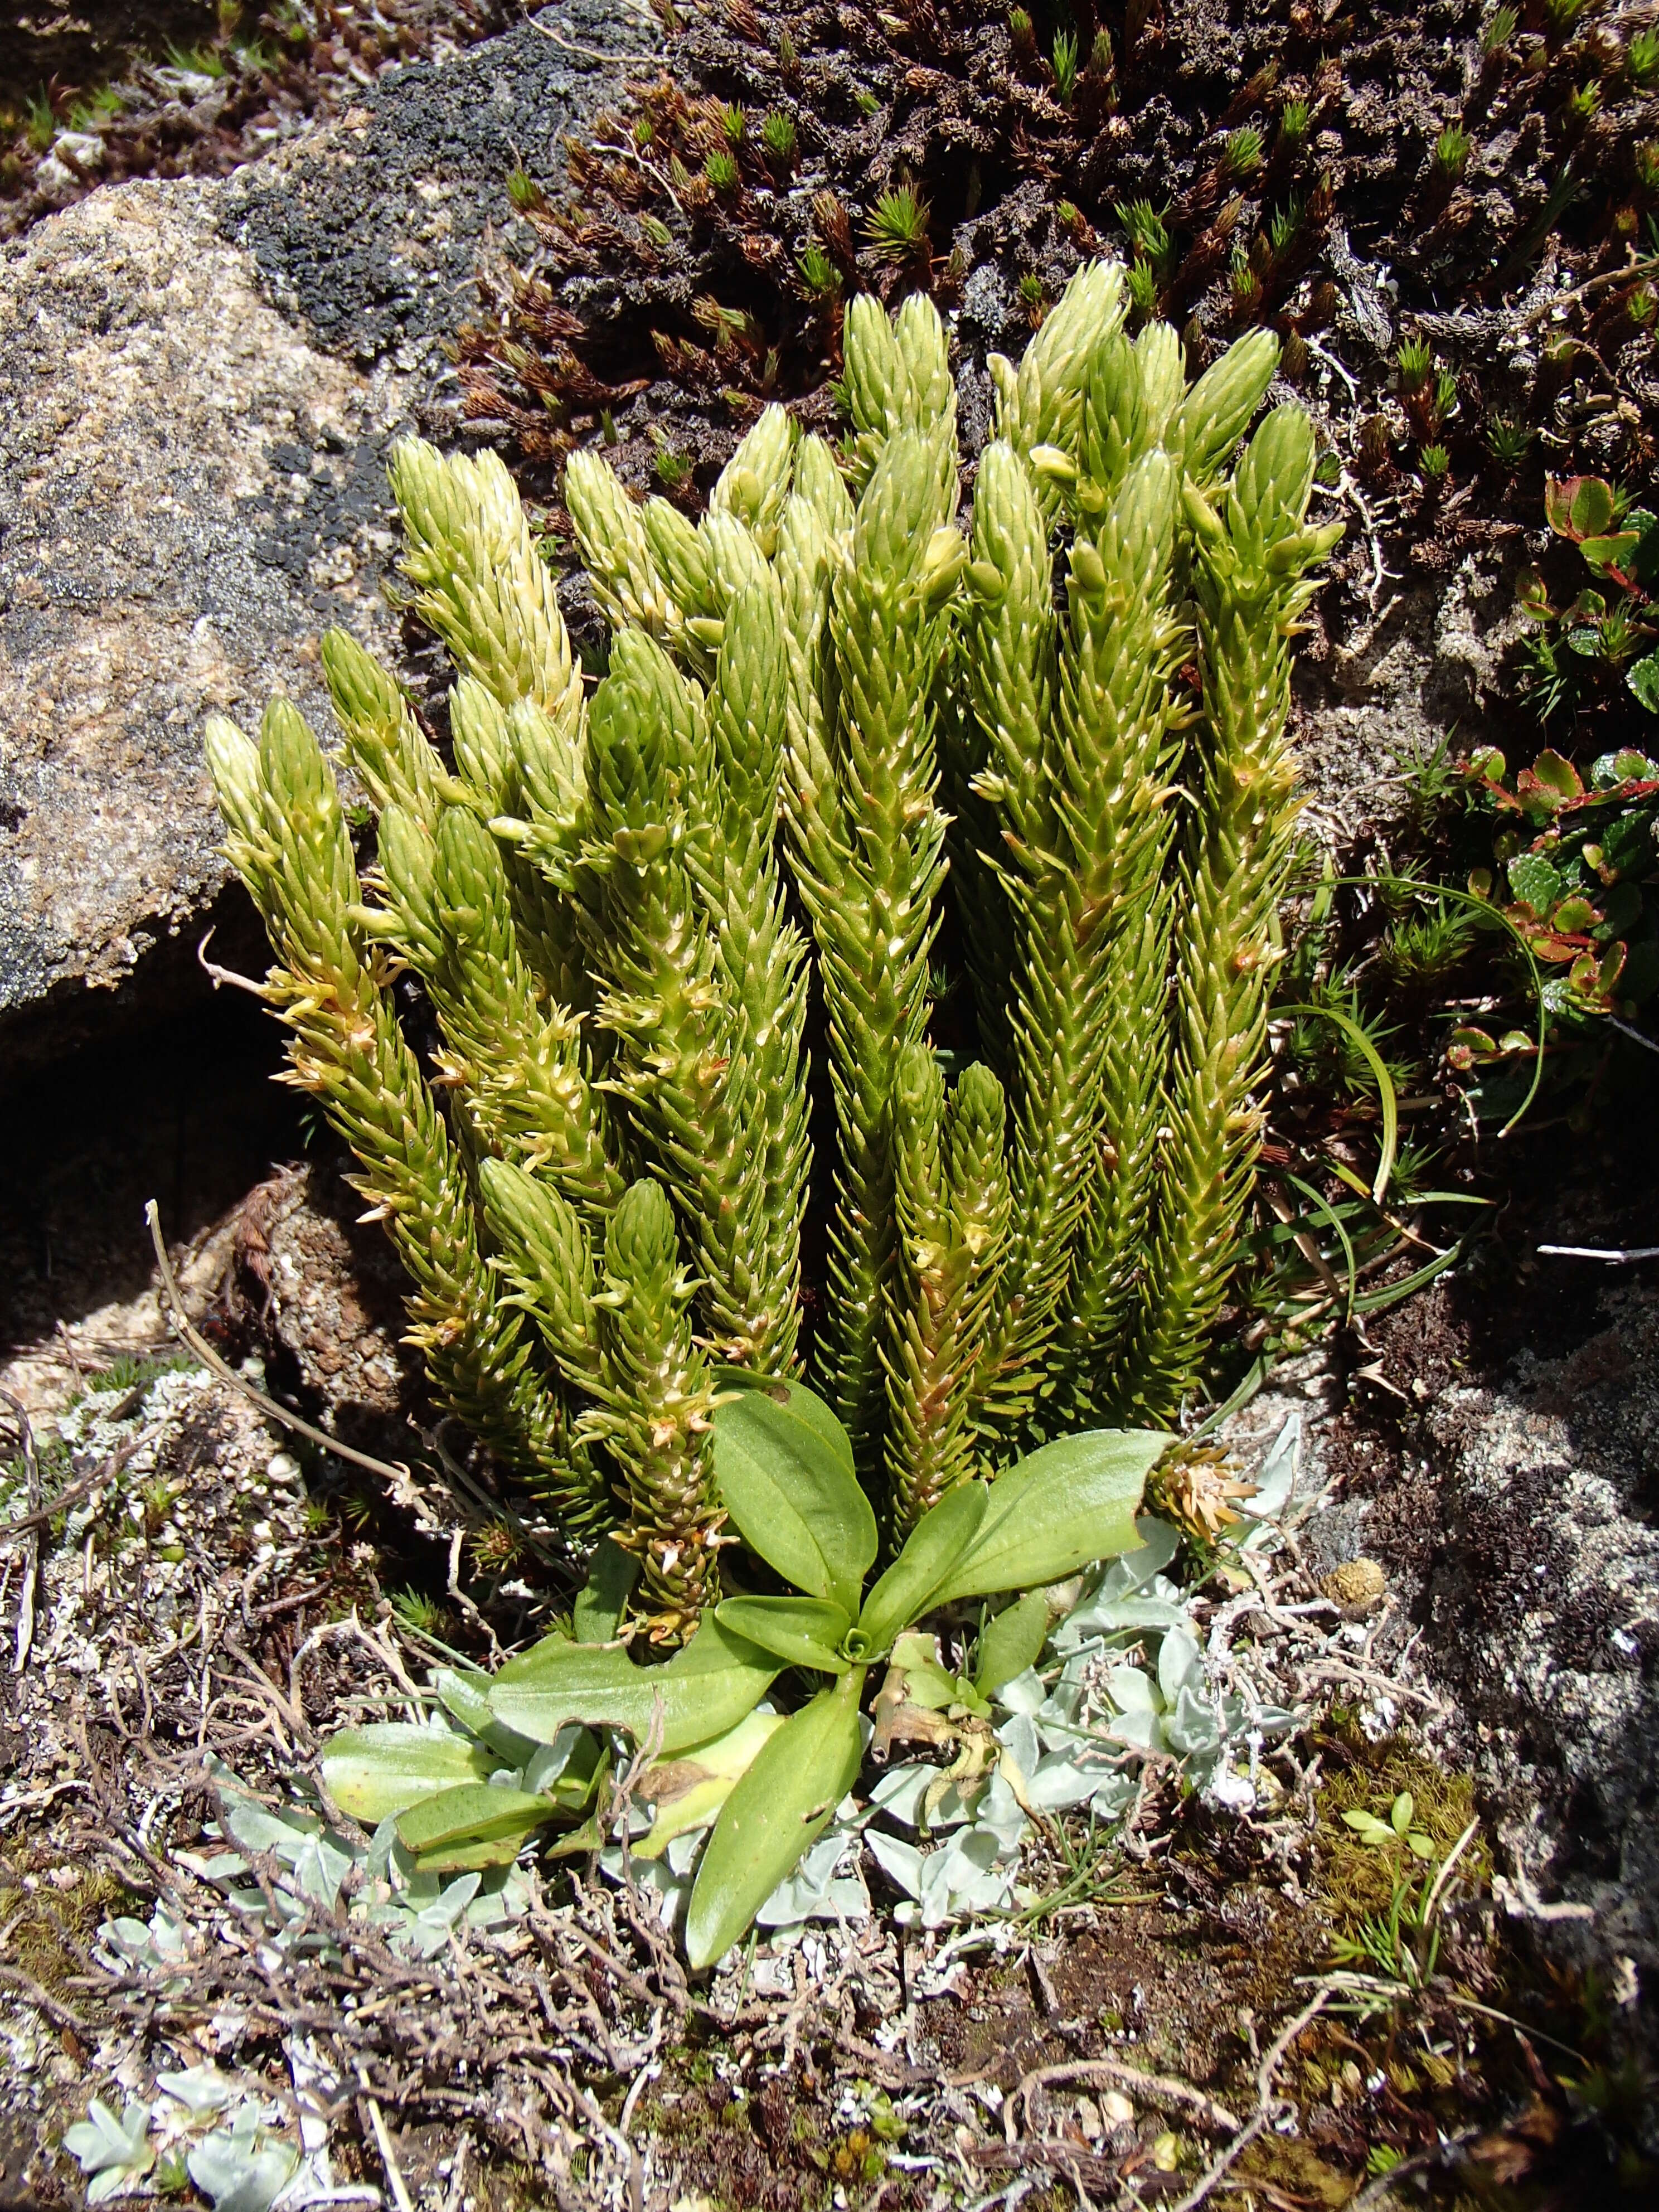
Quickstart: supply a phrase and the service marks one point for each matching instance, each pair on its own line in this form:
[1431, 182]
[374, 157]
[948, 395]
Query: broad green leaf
[804, 1631]
[464, 1695]
[773, 1817]
[599, 1602]
[473, 1827]
[1611, 552]
[925, 1684]
[1011, 1641]
[573, 1843]
[931, 1687]
[1593, 508]
[1577, 508]
[930, 1552]
[547, 1652]
[705, 1689]
[1534, 881]
[1556, 774]
[1643, 677]
[687, 1792]
[1068, 1505]
[784, 1469]
[1367, 1826]
[565, 1770]
[376, 1772]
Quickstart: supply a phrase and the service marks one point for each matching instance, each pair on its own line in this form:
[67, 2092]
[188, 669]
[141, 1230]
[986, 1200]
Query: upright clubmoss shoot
[1063, 61]
[1414, 360]
[779, 138]
[1241, 157]
[1295, 120]
[819, 273]
[1451, 152]
[1497, 31]
[1509, 439]
[897, 226]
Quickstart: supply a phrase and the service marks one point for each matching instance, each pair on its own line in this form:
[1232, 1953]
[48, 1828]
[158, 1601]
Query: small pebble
[1357, 1585]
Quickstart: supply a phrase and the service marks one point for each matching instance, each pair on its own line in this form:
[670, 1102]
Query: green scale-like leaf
[953, 1206]
[516, 1065]
[1085, 831]
[1248, 578]
[870, 861]
[709, 1017]
[655, 1413]
[288, 842]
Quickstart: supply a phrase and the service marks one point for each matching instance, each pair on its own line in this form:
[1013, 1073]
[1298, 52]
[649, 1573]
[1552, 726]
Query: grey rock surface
[1510, 1497]
[198, 384]
[191, 493]
[1542, 1610]
[1376, 689]
[369, 232]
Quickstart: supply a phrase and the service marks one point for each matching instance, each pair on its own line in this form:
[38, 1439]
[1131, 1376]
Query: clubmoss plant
[655, 1411]
[952, 1203]
[827, 690]
[1497, 31]
[1096, 94]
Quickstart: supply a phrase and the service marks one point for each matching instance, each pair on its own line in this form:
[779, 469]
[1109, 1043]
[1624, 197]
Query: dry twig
[1268, 2104]
[1157, 2089]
